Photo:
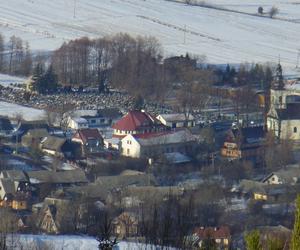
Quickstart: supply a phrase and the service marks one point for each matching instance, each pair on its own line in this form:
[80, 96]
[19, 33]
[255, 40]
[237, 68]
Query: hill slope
[221, 35]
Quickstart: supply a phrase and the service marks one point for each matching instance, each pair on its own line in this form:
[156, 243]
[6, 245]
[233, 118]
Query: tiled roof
[212, 232]
[88, 134]
[134, 120]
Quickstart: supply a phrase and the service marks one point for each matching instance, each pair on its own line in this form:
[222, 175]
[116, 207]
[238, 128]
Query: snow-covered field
[11, 81]
[11, 110]
[69, 242]
[223, 36]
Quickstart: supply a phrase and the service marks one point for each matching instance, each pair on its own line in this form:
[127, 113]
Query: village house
[90, 140]
[62, 178]
[156, 144]
[57, 146]
[177, 120]
[24, 126]
[100, 118]
[285, 123]
[78, 123]
[220, 235]
[289, 175]
[136, 123]
[15, 190]
[54, 217]
[283, 117]
[33, 137]
[244, 143]
[125, 225]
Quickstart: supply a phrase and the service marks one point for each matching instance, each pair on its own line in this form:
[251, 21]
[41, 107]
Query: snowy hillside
[70, 242]
[222, 35]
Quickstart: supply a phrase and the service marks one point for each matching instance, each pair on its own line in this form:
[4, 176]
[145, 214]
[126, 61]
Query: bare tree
[193, 94]
[273, 11]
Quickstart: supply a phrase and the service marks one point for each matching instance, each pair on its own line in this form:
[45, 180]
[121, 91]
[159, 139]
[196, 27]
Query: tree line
[15, 56]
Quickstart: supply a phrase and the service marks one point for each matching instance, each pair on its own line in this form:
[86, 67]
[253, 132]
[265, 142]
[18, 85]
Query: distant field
[224, 36]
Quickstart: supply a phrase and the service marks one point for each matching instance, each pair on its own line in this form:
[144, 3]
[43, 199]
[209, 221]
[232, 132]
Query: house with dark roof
[90, 140]
[289, 175]
[58, 146]
[285, 122]
[15, 191]
[5, 127]
[220, 235]
[244, 143]
[153, 145]
[137, 122]
[64, 178]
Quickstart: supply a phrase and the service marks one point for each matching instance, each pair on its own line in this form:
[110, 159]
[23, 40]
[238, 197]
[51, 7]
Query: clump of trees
[43, 81]
[246, 74]
[123, 61]
[273, 11]
[15, 56]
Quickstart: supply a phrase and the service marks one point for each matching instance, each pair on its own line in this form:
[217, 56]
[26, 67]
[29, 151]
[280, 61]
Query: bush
[273, 11]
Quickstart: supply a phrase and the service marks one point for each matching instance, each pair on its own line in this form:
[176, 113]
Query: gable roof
[212, 232]
[8, 186]
[14, 175]
[119, 181]
[53, 143]
[133, 120]
[88, 134]
[63, 177]
[177, 117]
[287, 175]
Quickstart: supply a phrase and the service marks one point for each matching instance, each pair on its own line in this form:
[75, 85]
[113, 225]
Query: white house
[78, 123]
[285, 123]
[284, 117]
[290, 176]
[177, 120]
[157, 144]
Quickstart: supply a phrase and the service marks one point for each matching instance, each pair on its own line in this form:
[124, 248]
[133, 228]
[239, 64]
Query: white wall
[130, 147]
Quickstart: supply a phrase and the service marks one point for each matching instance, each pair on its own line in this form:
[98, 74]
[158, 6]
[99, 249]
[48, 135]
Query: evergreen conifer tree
[253, 240]
[295, 244]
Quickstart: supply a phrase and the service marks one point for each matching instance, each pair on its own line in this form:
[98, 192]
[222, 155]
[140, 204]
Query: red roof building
[85, 135]
[221, 235]
[137, 122]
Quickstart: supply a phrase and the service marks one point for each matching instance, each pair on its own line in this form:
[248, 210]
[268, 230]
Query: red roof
[134, 120]
[212, 232]
[88, 134]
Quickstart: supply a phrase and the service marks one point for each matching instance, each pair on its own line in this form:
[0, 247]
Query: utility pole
[184, 34]
[74, 11]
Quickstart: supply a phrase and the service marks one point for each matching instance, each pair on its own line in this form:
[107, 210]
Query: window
[93, 121]
[295, 129]
[280, 100]
[128, 151]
